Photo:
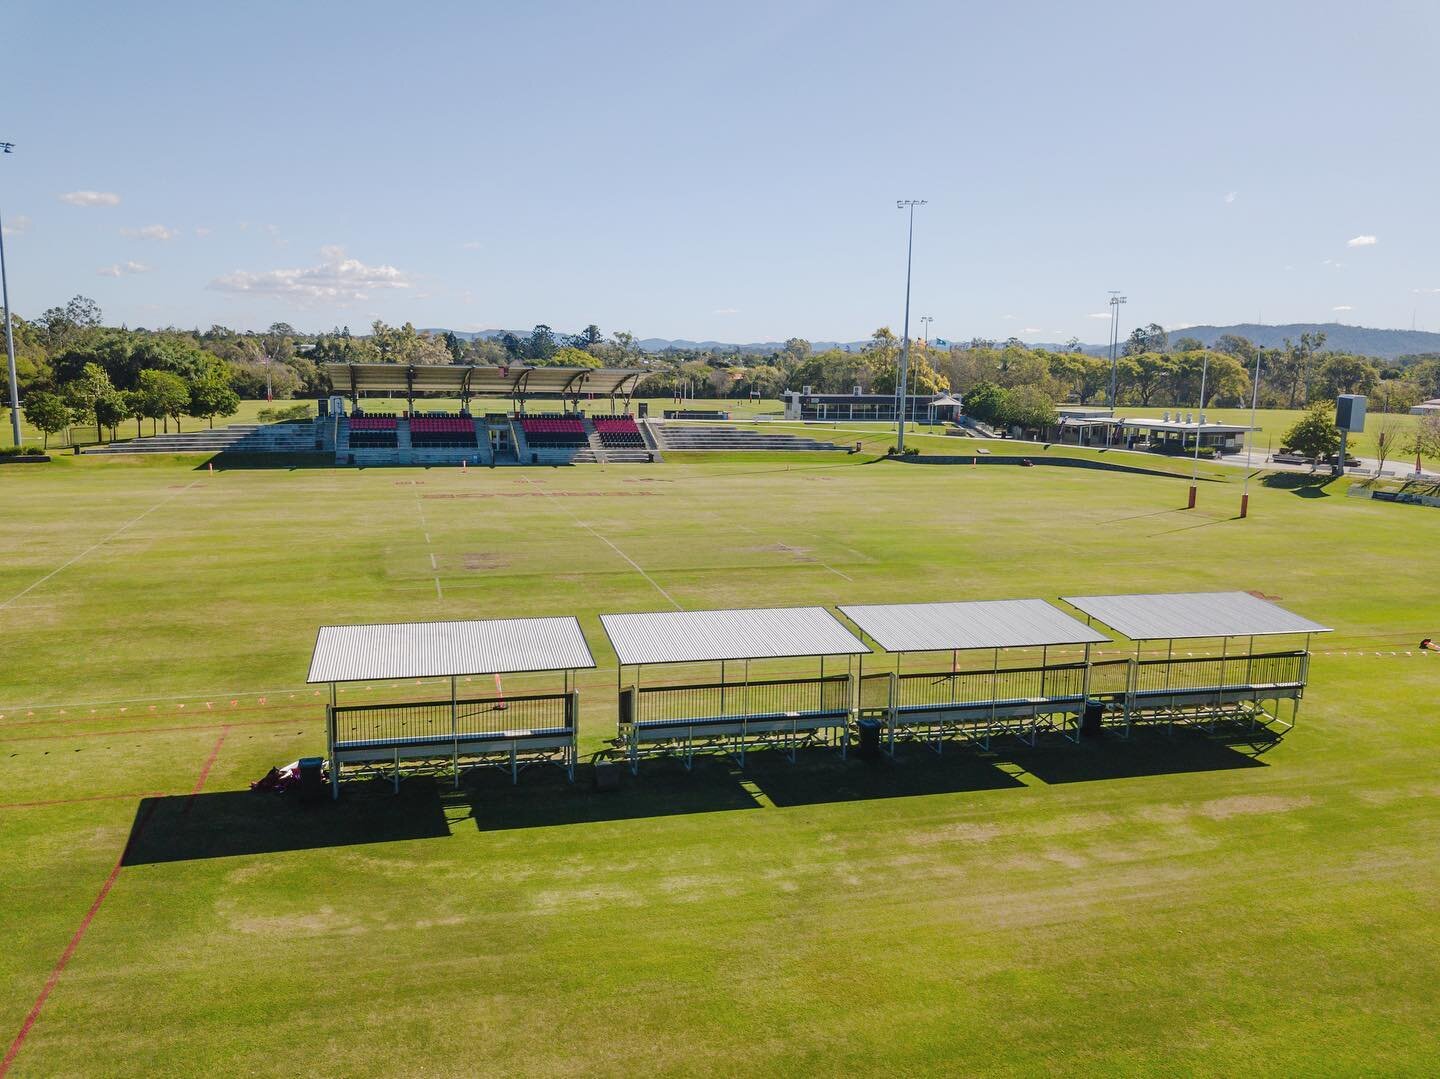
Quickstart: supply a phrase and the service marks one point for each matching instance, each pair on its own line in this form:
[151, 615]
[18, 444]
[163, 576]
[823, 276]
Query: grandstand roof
[945, 627]
[1179, 615]
[700, 636]
[443, 649]
[461, 378]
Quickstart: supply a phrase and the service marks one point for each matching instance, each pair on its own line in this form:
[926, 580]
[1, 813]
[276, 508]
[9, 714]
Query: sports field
[1169, 905]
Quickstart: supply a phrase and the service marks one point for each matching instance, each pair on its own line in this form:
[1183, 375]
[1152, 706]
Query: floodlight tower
[925, 328]
[1115, 301]
[8, 147]
[901, 393]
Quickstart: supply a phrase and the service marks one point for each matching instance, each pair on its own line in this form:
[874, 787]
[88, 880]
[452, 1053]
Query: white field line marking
[636, 565]
[837, 573]
[96, 545]
[438, 594]
[432, 561]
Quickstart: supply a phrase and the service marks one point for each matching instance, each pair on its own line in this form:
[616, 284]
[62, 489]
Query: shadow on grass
[237, 462]
[224, 824]
[1303, 484]
[819, 776]
[1147, 753]
[544, 798]
[227, 824]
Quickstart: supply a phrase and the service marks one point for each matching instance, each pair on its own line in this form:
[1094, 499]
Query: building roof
[945, 627]
[1209, 428]
[443, 649]
[700, 636]
[455, 379]
[1177, 615]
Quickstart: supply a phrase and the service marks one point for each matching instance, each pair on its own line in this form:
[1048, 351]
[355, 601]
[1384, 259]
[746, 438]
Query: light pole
[1115, 301]
[7, 147]
[1199, 424]
[1250, 436]
[901, 396]
[925, 328]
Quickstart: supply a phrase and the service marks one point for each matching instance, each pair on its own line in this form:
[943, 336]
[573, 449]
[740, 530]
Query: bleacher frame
[974, 704]
[727, 716]
[1219, 689]
[513, 732]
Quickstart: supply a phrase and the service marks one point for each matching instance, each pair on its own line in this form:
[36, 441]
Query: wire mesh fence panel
[981, 687]
[1158, 675]
[1110, 677]
[875, 691]
[422, 721]
[715, 700]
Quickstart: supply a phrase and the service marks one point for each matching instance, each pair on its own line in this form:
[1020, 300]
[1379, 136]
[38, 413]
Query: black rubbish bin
[1091, 720]
[312, 780]
[869, 739]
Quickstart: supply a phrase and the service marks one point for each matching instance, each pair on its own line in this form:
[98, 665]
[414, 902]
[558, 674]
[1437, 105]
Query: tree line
[73, 369]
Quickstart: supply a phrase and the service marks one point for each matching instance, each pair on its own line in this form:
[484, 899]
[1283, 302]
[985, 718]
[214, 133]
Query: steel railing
[424, 721]
[738, 700]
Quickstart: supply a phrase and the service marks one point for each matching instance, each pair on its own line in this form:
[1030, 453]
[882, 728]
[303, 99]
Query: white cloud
[1010, 318]
[91, 198]
[120, 269]
[726, 311]
[202, 231]
[471, 245]
[1231, 196]
[1342, 307]
[1361, 241]
[1098, 314]
[336, 278]
[1032, 329]
[18, 225]
[1425, 290]
[150, 232]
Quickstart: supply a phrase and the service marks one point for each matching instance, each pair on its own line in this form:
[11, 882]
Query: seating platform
[441, 431]
[554, 431]
[379, 431]
[618, 432]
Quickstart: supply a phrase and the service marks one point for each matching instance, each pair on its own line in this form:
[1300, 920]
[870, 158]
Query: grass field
[1174, 906]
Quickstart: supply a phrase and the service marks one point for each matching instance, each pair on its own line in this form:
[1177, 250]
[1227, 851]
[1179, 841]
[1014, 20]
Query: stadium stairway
[236, 438]
[551, 455]
[715, 437]
[619, 454]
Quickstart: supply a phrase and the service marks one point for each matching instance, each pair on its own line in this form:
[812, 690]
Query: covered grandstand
[518, 384]
[975, 702]
[512, 731]
[1228, 682]
[731, 715]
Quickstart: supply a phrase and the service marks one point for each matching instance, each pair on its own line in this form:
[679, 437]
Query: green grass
[1169, 906]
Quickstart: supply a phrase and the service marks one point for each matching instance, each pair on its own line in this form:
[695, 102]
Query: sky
[724, 171]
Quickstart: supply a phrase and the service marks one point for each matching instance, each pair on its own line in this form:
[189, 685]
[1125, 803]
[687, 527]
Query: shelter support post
[330, 732]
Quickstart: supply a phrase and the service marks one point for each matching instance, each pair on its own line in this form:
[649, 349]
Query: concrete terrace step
[718, 438]
[236, 438]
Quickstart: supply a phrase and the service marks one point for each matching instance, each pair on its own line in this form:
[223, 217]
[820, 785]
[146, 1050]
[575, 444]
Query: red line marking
[74, 944]
[205, 771]
[77, 801]
[70, 948]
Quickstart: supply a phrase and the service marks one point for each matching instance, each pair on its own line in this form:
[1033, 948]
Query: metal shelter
[518, 383]
[511, 731]
[731, 716]
[1238, 684]
[976, 702]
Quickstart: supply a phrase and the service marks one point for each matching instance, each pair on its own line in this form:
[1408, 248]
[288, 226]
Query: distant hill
[1360, 340]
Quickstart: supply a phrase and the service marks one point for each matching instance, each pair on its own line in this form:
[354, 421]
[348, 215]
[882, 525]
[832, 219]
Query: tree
[1314, 434]
[164, 394]
[455, 347]
[1027, 407]
[211, 396]
[60, 326]
[1293, 367]
[1339, 373]
[541, 344]
[47, 412]
[570, 356]
[1151, 338]
[1239, 347]
[985, 401]
[92, 397]
[1425, 438]
[1388, 430]
[1188, 344]
[1144, 374]
[588, 339]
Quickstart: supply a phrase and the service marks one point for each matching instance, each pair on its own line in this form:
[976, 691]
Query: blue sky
[724, 171]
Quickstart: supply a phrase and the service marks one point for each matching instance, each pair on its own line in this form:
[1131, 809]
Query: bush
[21, 451]
[292, 414]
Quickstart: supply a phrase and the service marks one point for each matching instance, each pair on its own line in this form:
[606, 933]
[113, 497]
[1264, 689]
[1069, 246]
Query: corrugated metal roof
[442, 649]
[454, 378]
[943, 627]
[698, 636]
[1177, 615]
